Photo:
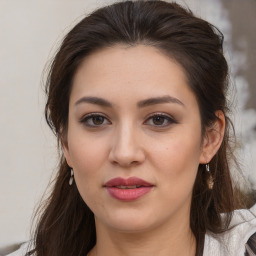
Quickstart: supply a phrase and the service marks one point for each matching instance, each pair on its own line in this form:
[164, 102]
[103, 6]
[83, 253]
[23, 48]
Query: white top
[229, 243]
[232, 242]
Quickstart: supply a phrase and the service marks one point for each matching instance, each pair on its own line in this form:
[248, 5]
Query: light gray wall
[29, 33]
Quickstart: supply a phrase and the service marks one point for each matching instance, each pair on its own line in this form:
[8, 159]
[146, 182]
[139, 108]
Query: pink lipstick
[128, 189]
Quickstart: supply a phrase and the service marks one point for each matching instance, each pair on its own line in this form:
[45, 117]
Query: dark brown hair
[66, 225]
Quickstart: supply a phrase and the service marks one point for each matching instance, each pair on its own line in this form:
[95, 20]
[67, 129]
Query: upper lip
[131, 181]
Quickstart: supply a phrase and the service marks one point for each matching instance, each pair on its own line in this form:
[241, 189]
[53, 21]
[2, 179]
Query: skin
[124, 141]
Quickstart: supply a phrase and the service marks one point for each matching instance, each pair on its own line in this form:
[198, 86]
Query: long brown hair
[66, 225]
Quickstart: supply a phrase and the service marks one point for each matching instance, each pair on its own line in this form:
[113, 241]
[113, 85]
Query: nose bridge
[126, 137]
[126, 149]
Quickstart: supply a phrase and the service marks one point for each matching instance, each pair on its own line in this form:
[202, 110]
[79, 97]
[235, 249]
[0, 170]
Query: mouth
[130, 183]
[129, 189]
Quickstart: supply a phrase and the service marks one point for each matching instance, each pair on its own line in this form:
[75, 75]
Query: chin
[131, 222]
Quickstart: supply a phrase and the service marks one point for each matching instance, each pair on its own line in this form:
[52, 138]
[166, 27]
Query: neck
[163, 240]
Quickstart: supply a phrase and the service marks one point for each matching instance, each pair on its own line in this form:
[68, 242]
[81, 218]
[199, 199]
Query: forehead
[130, 72]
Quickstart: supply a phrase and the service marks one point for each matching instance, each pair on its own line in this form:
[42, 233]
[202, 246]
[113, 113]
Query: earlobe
[213, 138]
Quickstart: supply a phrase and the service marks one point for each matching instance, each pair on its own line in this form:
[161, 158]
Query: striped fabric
[251, 246]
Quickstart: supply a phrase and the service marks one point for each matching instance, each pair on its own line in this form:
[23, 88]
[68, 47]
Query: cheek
[177, 166]
[85, 148]
[87, 158]
[178, 159]
[88, 155]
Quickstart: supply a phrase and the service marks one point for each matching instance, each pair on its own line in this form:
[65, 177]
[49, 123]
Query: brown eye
[98, 120]
[95, 120]
[158, 120]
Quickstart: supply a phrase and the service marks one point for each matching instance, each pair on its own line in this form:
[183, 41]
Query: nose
[126, 149]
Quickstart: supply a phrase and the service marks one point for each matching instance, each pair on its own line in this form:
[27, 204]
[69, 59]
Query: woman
[137, 100]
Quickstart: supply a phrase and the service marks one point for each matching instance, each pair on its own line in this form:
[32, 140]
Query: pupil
[158, 120]
[98, 120]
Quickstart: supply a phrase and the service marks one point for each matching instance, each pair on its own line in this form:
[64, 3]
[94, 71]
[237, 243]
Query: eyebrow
[94, 100]
[159, 100]
[140, 104]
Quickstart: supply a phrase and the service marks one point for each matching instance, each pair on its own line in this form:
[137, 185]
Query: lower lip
[128, 194]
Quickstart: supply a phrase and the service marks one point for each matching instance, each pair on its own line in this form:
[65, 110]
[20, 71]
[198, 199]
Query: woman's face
[134, 138]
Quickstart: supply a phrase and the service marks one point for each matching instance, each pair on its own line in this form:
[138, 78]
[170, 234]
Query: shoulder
[235, 240]
[21, 251]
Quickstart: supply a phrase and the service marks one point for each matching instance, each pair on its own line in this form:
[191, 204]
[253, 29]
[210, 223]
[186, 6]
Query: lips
[128, 189]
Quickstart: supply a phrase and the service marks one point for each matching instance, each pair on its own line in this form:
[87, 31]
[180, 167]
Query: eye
[161, 120]
[95, 120]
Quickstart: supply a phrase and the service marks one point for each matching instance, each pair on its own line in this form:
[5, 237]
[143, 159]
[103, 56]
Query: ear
[213, 138]
[65, 148]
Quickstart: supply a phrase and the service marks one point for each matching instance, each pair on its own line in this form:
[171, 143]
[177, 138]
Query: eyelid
[84, 118]
[169, 117]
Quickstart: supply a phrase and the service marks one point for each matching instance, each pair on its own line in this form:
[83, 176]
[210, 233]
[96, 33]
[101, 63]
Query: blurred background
[30, 32]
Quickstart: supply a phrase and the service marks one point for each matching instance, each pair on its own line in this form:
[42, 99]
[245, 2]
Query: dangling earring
[210, 181]
[71, 177]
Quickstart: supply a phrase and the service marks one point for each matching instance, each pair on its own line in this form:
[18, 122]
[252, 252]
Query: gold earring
[210, 181]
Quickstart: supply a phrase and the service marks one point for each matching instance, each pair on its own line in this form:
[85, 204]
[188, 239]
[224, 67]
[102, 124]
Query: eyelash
[85, 120]
[167, 119]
